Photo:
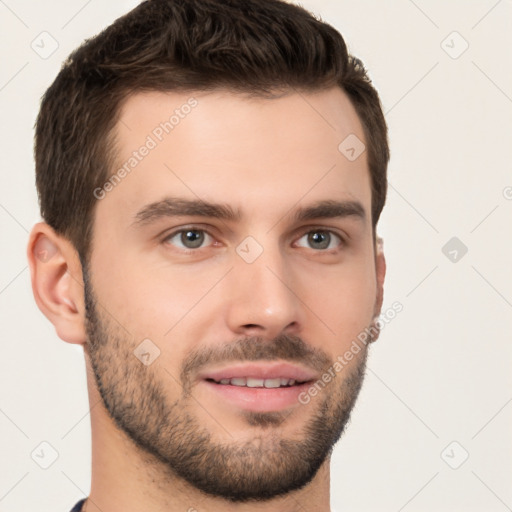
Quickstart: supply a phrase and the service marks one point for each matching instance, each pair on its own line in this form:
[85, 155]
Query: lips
[257, 387]
[253, 382]
[260, 375]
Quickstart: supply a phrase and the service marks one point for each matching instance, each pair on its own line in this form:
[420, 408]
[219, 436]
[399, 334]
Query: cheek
[155, 301]
[344, 299]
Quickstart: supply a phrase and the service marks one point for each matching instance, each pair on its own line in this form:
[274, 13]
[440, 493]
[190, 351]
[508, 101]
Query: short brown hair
[249, 46]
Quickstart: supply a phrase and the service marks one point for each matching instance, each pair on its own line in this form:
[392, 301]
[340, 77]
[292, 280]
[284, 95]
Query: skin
[265, 158]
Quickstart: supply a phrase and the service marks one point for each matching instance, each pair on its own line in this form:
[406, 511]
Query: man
[210, 174]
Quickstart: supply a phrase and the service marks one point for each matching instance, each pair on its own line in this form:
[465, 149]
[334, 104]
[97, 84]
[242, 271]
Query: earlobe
[57, 282]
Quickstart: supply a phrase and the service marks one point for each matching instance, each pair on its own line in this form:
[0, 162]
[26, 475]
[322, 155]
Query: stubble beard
[173, 439]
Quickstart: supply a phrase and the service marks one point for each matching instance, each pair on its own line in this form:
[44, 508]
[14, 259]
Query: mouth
[257, 387]
[254, 382]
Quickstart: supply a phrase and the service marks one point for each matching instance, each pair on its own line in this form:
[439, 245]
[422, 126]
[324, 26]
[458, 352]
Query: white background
[441, 369]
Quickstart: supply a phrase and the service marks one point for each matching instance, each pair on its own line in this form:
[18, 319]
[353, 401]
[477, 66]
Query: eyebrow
[179, 207]
[330, 209]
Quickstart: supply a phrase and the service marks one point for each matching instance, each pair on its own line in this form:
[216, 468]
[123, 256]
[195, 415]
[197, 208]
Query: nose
[263, 298]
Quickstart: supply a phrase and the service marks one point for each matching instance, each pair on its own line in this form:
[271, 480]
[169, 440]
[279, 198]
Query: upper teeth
[258, 383]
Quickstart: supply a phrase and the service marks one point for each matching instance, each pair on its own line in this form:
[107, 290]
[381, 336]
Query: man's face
[272, 284]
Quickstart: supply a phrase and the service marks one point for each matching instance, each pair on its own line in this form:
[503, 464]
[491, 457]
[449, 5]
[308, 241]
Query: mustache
[256, 348]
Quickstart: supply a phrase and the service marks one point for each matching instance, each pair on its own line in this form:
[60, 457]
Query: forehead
[231, 148]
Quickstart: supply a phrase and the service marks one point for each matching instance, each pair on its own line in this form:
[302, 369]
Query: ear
[380, 271]
[57, 284]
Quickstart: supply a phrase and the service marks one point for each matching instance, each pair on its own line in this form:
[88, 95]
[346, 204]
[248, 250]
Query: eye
[188, 238]
[320, 239]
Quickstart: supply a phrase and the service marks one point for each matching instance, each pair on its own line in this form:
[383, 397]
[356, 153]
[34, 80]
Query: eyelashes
[193, 239]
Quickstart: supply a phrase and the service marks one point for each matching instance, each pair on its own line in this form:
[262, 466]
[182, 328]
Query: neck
[126, 479]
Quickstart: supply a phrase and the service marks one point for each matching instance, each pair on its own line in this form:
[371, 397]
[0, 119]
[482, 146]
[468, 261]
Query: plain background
[431, 429]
